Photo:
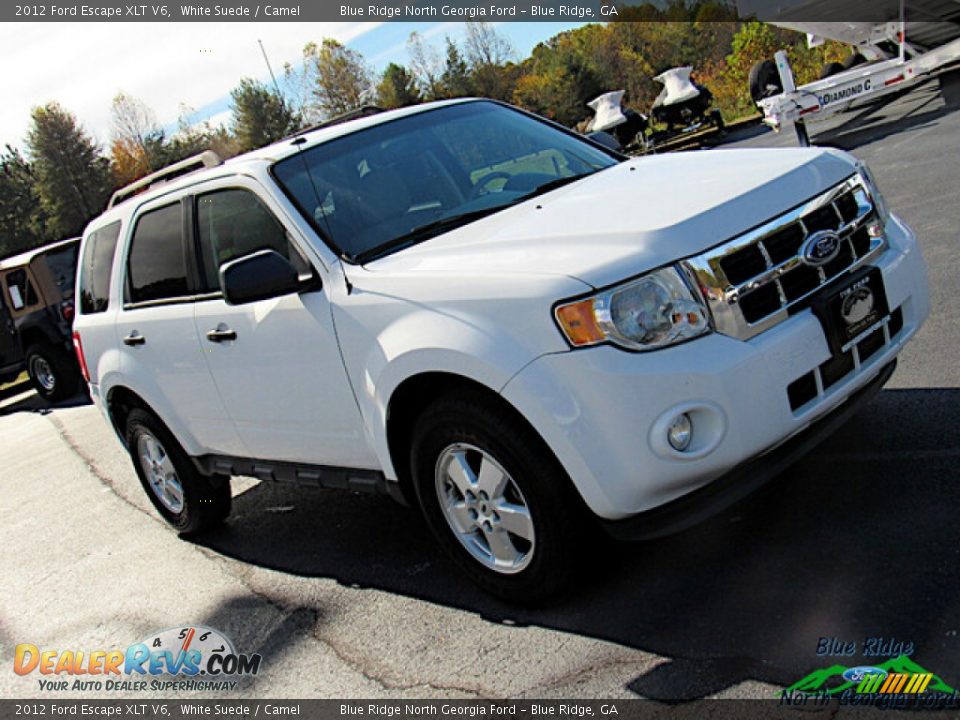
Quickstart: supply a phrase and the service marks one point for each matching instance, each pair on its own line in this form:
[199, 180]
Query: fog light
[680, 432]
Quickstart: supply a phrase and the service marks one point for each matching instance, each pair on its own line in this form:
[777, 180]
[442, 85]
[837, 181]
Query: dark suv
[36, 314]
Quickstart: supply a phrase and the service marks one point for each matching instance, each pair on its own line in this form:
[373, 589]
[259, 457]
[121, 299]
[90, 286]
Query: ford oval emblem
[856, 674]
[820, 248]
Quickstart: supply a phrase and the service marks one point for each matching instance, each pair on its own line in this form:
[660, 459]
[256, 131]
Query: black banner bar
[873, 11]
[798, 708]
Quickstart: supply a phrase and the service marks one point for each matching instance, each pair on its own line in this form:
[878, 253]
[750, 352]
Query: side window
[156, 266]
[96, 268]
[20, 289]
[233, 223]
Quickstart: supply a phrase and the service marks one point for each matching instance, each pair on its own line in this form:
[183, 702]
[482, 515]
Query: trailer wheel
[852, 60]
[764, 80]
[716, 117]
[830, 69]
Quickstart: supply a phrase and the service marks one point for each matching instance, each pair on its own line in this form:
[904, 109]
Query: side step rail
[370, 482]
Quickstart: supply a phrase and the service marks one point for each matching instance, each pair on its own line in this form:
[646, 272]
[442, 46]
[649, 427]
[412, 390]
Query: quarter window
[157, 267]
[96, 268]
[20, 289]
[233, 223]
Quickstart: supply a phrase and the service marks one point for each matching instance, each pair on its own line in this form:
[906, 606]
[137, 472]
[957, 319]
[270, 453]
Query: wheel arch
[413, 396]
[120, 400]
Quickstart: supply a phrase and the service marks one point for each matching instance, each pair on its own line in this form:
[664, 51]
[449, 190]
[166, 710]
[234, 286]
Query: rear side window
[233, 223]
[96, 268]
[63, 268]
[156, 266]
[20, 289]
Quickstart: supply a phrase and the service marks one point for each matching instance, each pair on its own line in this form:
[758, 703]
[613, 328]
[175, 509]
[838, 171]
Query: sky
[170, 66]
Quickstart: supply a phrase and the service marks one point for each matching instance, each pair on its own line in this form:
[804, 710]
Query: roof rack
[359, 112]
[206, 159]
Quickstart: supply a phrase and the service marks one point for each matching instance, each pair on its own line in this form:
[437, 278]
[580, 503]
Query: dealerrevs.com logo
[191, 657]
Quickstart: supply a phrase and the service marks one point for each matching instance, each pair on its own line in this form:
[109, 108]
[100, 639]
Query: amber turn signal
[579, 323]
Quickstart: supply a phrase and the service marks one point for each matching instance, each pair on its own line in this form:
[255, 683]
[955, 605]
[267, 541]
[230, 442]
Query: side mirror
[258, 276]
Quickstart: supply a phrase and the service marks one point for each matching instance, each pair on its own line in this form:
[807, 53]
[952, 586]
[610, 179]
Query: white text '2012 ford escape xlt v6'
[476, 311]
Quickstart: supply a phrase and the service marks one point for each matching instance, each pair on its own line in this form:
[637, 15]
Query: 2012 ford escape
[477, 311]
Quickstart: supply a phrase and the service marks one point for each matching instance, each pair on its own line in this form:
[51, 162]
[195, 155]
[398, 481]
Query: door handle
[221, 334]
[134, 338]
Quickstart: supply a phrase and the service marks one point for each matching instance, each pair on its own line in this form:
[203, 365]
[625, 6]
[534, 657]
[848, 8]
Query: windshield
[392, 185]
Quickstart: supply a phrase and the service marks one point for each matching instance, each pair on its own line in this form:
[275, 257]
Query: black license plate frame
[850, 309]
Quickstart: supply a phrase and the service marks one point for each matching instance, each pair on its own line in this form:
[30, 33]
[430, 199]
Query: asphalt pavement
[347, 596]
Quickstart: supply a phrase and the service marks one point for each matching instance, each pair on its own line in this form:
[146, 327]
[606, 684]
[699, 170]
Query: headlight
[654, 311]
[878, 200]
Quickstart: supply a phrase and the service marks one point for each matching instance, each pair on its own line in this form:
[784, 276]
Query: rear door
[158, 338]
[281, 377]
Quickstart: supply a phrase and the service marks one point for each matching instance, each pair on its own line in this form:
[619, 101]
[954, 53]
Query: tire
[764, 80]
[852, 60]
[716, 117]
[830, 69]
[508, 466]
[53, 373]
[187, 499]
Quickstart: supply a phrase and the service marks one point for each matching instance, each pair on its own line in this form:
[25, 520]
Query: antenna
[272, 76]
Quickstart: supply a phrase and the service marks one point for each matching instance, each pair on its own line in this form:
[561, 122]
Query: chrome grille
[751, 282]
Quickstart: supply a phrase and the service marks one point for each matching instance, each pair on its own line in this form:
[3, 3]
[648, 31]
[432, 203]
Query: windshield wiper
[554, 184]
[425, 232]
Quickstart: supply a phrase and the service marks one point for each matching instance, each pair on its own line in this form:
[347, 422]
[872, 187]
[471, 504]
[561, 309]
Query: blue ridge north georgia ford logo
[820, 248]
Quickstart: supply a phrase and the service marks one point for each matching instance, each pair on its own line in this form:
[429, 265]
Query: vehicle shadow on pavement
[11, 403]
[926, 104]
[860, 539]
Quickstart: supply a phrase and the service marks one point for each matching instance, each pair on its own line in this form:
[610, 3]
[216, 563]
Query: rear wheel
[496, 499]
[187, 499]
[52, 371]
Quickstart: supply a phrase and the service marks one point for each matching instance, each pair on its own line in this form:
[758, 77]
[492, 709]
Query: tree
[343, 80]
[72, 177]
[485, 46]
[488, 54]
[135, 139]
[426, 67]
[22, 221]
[260, 115]
[397, 88]
[456, 79]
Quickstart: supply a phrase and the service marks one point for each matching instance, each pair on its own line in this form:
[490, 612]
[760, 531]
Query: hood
[634, 217]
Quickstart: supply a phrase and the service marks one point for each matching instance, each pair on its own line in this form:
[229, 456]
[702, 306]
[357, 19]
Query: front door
[275, 362]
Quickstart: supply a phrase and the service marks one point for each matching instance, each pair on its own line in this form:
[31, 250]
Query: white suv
[470, 308]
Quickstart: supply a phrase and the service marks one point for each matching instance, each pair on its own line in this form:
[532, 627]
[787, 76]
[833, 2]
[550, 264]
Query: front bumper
[603, 411]
[699, 505]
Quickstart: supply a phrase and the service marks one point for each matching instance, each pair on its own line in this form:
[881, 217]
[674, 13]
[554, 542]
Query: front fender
[444, 345]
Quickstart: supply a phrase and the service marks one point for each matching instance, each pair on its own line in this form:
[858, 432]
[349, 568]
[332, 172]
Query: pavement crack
[94, 470]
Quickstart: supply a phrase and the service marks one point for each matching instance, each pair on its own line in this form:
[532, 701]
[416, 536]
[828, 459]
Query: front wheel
[496, 499]
[187, 499]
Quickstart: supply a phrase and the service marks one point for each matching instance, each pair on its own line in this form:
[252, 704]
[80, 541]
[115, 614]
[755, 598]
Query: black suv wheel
[52, 371]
